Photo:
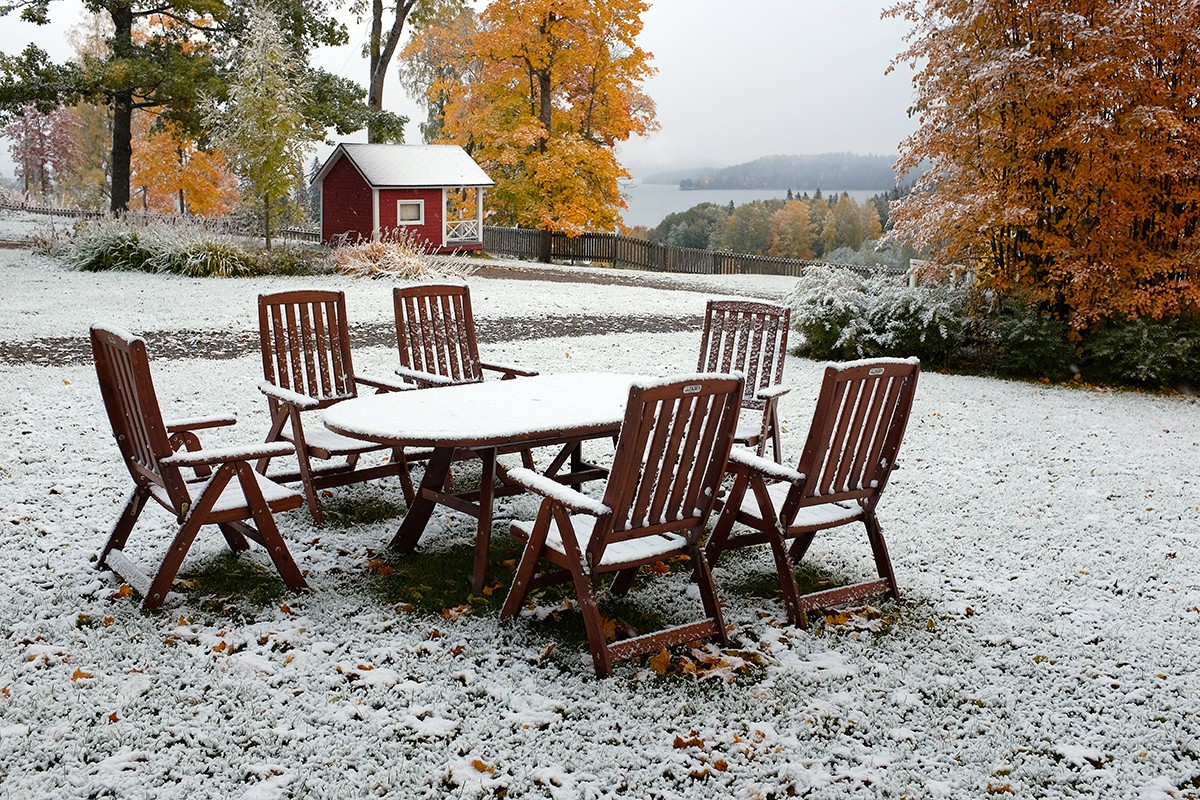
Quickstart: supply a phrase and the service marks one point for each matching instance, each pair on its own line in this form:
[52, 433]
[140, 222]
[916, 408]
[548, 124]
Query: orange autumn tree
[170, 172]
[1061, 136]
[559, 86]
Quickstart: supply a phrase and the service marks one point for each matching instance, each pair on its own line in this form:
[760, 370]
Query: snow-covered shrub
[1020, 339]
[842, 315]
[1144, 352]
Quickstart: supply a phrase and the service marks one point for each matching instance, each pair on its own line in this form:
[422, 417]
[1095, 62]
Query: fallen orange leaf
[79, 674]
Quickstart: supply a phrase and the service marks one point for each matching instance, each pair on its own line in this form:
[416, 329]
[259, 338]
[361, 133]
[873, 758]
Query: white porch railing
[463, 230]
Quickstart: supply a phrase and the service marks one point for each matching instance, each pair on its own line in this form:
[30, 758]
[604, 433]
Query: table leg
[483, 535]
[421, 508]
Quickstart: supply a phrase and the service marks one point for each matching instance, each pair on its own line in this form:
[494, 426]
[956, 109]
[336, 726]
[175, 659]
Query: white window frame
[419, 204]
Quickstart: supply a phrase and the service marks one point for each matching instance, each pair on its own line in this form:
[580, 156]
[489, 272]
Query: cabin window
[410, 212]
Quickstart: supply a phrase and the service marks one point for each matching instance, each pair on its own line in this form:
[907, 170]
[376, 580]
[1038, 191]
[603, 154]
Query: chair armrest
[772, 392]
[509, 370]
[558, 492]
[748, 460]
[222, 455]
[301, 401]
[198, 423]
[424, 379]
[383, 384]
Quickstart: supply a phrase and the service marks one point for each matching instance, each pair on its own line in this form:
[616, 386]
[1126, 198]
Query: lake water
[650, 203]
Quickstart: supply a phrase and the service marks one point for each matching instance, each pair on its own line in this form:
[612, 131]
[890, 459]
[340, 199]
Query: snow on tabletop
[489, 412]
[1045, 540]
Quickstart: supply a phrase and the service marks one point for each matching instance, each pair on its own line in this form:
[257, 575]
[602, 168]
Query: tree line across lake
[833, 227]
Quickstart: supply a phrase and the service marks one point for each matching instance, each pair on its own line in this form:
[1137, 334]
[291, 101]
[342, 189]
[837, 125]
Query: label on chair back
[876, 371]
[692, 388]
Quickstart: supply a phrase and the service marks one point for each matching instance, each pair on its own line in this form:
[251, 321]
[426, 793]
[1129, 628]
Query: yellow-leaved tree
[170, 172]
[559, 84]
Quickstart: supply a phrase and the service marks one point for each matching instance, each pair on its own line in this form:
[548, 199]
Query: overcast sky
[736, 80]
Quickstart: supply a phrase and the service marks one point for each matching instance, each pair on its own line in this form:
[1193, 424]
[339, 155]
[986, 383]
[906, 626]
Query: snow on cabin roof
[410, 165]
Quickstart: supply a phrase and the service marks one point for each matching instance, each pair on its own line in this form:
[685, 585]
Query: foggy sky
[735, 81]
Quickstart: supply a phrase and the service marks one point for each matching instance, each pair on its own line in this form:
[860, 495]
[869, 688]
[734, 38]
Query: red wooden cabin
[375, 191]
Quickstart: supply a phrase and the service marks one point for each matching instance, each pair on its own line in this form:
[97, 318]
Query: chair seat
[823, 515]
[318, 437]
[632, 551]
[232, 498]
[748, 432]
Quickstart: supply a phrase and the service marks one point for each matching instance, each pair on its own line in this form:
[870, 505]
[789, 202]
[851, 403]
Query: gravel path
[71, 350]
[224, 344]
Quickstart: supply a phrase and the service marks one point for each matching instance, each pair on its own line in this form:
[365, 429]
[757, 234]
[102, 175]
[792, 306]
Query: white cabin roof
[386, 166]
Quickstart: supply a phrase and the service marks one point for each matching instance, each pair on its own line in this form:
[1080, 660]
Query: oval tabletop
[486, 414]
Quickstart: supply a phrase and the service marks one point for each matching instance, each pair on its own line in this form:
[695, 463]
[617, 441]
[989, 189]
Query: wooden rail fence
[626, 252]
[606, 249]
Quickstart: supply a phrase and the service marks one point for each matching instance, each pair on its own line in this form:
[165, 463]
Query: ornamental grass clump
[108, 244]
[397, 256]
[188, 247]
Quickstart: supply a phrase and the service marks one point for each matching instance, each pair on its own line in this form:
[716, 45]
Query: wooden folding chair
[157, 452]
[849, 455]
[307, 367]
[750, 337]
[672, 450]
[435, 334]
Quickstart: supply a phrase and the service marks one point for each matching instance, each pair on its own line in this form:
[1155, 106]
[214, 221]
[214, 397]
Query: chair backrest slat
[746, 336]
[862, 411]
[670, 456]
[435, 331]
[305, 340]
[127, 388]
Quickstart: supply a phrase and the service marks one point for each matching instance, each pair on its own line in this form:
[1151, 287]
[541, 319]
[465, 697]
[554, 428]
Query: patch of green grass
[346, 510]
[232, 586]
[750, 571]
[438, 580]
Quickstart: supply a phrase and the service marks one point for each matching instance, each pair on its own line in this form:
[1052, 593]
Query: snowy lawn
[1046, 540]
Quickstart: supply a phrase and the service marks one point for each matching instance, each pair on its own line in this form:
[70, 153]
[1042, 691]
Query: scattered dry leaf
[661, 662]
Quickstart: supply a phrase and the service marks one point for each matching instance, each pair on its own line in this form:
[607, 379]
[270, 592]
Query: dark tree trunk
[122, 142]
[380, 55]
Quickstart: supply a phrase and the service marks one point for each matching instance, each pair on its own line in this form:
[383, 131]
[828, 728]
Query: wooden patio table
[485, 420]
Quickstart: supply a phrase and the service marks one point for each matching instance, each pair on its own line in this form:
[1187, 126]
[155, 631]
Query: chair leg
[182, 542]
[268, 531]
[593, 622]
[277, 422]
[527, 566]
[883, 562]
[729, 511]
[623, 581]
[234, 538]
[124, 524]
[800, 546]
[702, 575]
[406, 482]
[304, 466]
[788, 588]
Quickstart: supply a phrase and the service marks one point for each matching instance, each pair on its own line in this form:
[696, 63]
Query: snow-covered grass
[1046, 539]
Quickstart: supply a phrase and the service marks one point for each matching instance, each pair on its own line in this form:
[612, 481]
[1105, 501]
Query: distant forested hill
[828, 171]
